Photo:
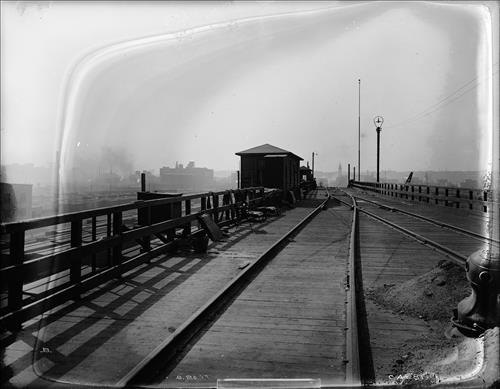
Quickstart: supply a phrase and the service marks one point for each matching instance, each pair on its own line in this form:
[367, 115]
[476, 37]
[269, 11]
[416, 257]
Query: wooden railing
[75, 261]
[448, 196]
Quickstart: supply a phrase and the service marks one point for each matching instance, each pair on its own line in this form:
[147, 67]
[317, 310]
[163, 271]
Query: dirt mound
[431, 296]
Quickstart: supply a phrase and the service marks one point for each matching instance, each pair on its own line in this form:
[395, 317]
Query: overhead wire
[445, 101]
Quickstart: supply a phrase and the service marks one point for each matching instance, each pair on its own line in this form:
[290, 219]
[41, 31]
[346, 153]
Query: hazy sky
[166, 82]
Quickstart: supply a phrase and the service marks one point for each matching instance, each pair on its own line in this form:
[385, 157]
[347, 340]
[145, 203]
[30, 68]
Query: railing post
[15, 298]
[216, 208]
[458, 197]
[187, 227]
[146, 240]
[238, 199]
[117, 248]
[412, 192]
[94, 238]
[225, 201]
[108, 234]
[203, 203]
[471, 197]
[446, 197]
[75, 271]
[428, 192]
[485, 198]
[231, 202]
[436, 192]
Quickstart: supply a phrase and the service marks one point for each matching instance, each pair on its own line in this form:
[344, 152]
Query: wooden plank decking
[129, 317]
[289, 323]
[388, 258]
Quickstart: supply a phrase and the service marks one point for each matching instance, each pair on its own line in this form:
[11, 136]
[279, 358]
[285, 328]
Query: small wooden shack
[306, 174]
[271, 167]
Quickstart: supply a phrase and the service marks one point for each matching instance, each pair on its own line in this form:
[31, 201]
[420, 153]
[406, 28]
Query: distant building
[442, 182]
[341, 180]
[469, 184]
[271, 167]
[17, 201]
[186, 179]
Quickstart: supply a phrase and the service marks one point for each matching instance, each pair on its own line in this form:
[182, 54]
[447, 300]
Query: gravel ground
[442, 354]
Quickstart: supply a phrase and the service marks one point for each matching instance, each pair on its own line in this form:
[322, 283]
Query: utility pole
[313, 163]
[359, 129]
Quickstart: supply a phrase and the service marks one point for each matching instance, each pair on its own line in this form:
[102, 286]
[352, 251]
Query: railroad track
[456, 242]
[260, 300]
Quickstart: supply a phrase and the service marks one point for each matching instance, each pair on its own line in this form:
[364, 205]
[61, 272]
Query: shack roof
[267, 149]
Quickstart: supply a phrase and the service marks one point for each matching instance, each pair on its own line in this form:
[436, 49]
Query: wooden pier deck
[131, 316]
[388, 259]
[289, 322]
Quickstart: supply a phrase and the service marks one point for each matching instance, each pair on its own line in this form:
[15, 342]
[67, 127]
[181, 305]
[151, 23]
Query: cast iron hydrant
[481, 310]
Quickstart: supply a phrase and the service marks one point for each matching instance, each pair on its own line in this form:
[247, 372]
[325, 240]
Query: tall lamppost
[378, 120]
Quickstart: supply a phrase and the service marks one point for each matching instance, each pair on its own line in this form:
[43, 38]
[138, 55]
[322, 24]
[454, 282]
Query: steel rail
[432, 221]
[169, 347]
[453, 255]
[345, 202]
[353, 370]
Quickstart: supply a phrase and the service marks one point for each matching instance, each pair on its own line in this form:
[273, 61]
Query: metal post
[354, 175]
[348, 173]
[238, 179]
[359, 129]
[378, 154]
[313, 164]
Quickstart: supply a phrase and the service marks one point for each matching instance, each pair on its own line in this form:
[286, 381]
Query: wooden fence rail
[448, 196]
[17, 270]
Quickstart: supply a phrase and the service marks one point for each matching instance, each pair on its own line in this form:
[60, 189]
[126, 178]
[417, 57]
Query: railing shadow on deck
[16, 272]
[36, 332]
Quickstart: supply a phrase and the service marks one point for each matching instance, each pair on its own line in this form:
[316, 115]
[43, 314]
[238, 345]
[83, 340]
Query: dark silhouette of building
[271, 167]
[186, 179]
[306, 173]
